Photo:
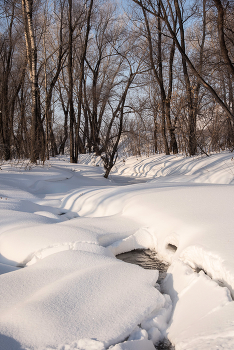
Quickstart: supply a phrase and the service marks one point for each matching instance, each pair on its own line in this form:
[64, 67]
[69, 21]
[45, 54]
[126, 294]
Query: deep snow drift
[62, 225]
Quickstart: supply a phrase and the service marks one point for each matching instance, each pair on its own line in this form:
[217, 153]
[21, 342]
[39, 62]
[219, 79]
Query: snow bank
[36, 242]
[174, 220]
[4, 268]
[143, 238]
[209, 324]
[186, 215]
[65, 223]
[218, 168]
[74, 295]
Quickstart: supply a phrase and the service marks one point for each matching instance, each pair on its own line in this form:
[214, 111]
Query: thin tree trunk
[222, 44]
[65, 127]
[158, 75]
[70, 75]
[81, 79]
[7, 127]
[37, 137]
[192, 144]
[155, 134]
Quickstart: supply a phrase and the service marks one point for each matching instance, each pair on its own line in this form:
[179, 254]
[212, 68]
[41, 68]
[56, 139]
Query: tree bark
[79, 145]
[36, 134]
[222, 43]
[70, 91]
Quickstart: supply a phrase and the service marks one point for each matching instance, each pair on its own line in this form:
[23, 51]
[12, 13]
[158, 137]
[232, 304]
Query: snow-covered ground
[61, 226]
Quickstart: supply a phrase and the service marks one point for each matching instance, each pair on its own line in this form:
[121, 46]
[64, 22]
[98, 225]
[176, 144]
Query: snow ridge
[59, 247]
[200, 259]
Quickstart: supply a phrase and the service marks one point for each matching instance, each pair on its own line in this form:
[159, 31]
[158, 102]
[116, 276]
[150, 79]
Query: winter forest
[87, 75]
[116, 175]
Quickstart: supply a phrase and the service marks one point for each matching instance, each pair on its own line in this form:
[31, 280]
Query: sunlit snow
[63, 224]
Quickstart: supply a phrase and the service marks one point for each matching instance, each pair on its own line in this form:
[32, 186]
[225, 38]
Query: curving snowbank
[65, 223]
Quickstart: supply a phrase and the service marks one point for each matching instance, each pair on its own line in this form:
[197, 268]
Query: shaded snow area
[61, 227]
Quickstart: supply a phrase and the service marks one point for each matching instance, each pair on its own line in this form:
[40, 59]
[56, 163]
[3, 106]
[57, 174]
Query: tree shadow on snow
[8, 343]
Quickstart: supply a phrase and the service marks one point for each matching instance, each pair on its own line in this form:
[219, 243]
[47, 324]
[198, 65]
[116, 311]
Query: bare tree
[168, 16]
[37, 133]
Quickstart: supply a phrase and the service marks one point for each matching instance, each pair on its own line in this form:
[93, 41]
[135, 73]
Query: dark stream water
[148, 260]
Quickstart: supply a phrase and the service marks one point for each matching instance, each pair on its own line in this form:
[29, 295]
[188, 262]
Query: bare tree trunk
[49, 91]
[37, 142]
[81, 79]
[62, 146]
[155, 134]
[193, 69]
[70, 92]
[7, 127]
[65, 127]
[46, 92]
[165, 100]
[109, 161]
[171, 127]
[192, 145]
[110, 157]
[222, 44]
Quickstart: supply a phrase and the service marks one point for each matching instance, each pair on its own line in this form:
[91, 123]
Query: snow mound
[218, 168]
[213, 265]
[75, 295]
[4, 268]
[65, 222]
[143, 238]
[19, 246]
[82, 344]
[138, 334]
[83, 246]
[196, 294]
[159, 317]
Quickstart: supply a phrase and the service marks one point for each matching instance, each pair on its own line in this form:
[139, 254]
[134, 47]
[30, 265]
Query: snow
[4, 268]
[79, 295]
[209, 301]
[134, 345]
[61, 226]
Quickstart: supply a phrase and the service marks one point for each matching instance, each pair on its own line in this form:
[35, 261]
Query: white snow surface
[61, 226]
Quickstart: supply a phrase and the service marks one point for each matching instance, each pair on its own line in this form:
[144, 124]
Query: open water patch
[148, 259]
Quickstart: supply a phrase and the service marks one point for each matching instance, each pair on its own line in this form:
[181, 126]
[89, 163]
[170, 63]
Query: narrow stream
[148, 260]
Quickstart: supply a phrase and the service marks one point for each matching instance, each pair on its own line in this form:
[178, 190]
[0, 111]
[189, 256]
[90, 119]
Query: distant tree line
[87, 75]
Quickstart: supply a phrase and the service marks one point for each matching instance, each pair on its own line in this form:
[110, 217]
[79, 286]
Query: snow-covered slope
[64, 223]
